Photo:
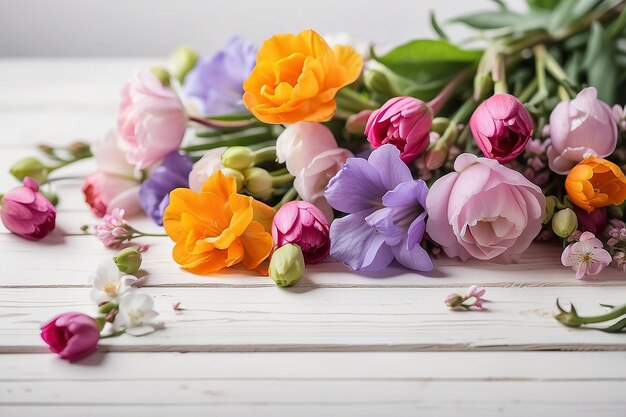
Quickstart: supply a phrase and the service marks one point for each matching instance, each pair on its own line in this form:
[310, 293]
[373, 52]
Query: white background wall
[156, 27]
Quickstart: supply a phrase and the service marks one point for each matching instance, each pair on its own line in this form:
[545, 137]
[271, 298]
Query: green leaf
[617, 327]
[505, 19]
[567, 12]
[600, 64]
[543, 4]
[427, 60]
[436, 27]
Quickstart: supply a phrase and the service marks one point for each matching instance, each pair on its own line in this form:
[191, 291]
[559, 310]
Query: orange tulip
[218, 228]
[296, 78]
[595, 182]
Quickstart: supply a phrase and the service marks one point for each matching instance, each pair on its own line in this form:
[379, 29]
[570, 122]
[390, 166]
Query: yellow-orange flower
[218, 228]
[595, 182]
[296, 78]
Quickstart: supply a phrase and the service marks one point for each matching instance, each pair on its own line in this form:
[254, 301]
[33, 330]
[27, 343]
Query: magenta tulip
[404, 122]
[303, 224]
[502, 127]
[26, 212]
[71, 335]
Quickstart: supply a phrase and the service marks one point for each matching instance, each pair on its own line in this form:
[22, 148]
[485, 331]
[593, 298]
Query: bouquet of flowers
[308, 148]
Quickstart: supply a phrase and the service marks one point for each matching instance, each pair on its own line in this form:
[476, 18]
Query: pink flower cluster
[113, 230]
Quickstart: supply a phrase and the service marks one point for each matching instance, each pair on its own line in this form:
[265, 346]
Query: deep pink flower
[578, 128]
[303, 224]
[71, 335]
[587, 256]
[404, 122]
[593, 222]
[502, 127]
[26, 212]
[151, 121]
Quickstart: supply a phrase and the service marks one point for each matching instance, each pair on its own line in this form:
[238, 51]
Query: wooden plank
[326, 319]
[313, 384]
[70, 260]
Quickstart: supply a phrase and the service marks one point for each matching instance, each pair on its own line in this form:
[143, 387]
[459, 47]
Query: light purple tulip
[579, 128]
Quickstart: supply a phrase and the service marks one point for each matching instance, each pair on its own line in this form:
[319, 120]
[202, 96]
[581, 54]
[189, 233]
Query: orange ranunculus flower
[595, 182]
[296, 78]
[218, 228]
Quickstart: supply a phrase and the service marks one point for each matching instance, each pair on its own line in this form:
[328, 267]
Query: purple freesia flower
[216, 84]
[154, 193]
[387, 214]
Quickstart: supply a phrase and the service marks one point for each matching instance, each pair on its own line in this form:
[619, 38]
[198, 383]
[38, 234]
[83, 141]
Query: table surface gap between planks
[339, 342]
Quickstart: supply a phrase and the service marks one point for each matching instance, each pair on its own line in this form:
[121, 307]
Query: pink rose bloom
[312, 156]
[151, 120]
[502, 127]
[115, 183]
[26, 212]
[205, 167]
[303, 224]
[586, 257]
[71, 335]
[579, 128]
[404, 122]
[484, 210]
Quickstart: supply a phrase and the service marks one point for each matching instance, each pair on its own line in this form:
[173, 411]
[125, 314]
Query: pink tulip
[579, 128]
[484, 210]
[404, 122]
[502, 127]
[151, 121]
[312, 156]
[71, 335]
[115, 183]
[26, 212]
[302, 224]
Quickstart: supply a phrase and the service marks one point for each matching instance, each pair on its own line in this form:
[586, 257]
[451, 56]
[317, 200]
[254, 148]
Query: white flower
[108, 283]
[136, 313]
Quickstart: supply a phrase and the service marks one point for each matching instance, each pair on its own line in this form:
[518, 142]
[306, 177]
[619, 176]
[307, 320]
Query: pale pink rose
[151, 120]
[205, 167]
[312, 156]
[579, 128]
[587, 256]
[115, 183]
[484, 210]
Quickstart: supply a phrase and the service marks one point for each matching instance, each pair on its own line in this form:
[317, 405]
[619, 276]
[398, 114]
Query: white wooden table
[337, 344]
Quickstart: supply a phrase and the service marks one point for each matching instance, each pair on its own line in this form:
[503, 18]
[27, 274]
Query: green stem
[265, 154]
[613, 314]
[540, 69]
[71, 177]
[352, 100]
[280, 180]
[236, 141]
[279, 172]
[558, 73]
[440, 100]
[289, 196]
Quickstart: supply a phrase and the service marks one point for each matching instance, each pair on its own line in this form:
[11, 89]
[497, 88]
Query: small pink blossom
[587, 256]
[473, 298]
[113, 230]
[176, 306]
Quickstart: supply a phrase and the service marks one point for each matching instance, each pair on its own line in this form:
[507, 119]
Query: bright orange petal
[257, 245]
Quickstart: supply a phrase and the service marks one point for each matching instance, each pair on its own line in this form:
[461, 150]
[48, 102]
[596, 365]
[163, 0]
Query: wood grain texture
[314, 384]
[326, 319]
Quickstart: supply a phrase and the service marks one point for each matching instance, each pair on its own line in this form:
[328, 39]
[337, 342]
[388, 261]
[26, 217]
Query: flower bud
[30, 167]
[378, 82]
[182, 61]
[356, 122]
[233, 173]
[128, 260]
[258, 183]
[564, 222]
[436, 156]
[79, 149]
[161, 74]
[287, 265]
[238, 157]
[551, 205]
[453, 300]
